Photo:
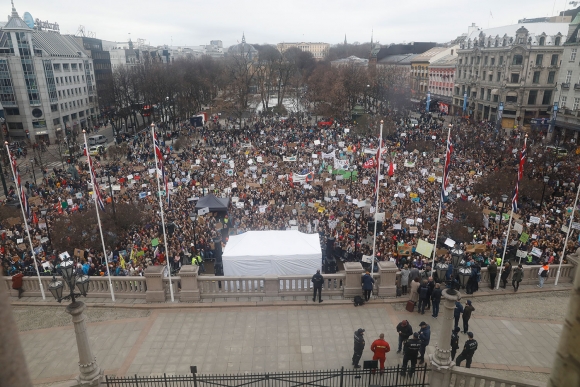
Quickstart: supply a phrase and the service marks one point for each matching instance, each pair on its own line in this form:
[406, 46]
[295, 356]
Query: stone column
[189, 286]
[352, 284]
[388, 285]
[441, 361]
[91, 374]
[154, 280]
[566, 369]
[271, 286]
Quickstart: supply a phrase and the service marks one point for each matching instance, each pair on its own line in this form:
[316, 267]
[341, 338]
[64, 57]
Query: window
[65, 66]
[485, 60]
[563, 100]
[557, 41]
[54, 107]
[518, 60]
[511, 98]
[501, 60]
[481, 92]
[73, 116]
[576, 103]
[488, 94]
[536, 78]
[542, 41]
[532, 97]
[56, 66]
[551, 76]
[56, 121]
[12, 111]
[539, 59]
[554, 60]
[493, 60]
[498, 76]
[73, 66]
[16, 125]
[547, 98]
[484, 75]
[515, 78]
[59, 94]
[460, 60]
[568, 76]
[573, 54]
[477, 60]
[496, 98]
[490, 79]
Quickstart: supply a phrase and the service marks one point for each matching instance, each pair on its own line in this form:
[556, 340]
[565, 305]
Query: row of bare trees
[234, 84]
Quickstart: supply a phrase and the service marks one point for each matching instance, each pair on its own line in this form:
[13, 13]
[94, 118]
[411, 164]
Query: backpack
[358, 300]
[544, 273]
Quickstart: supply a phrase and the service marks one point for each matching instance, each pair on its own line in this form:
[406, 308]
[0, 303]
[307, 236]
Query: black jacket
[359, 342]
[412, 347]
[317, 280]
[454, 340]
[436, 296]
[406, 331]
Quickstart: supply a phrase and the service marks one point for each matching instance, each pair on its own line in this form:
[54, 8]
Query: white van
[96, 140]
[413, 122]
[559, 152]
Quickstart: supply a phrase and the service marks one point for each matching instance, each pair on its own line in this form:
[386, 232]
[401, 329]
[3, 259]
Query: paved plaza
[278, 338]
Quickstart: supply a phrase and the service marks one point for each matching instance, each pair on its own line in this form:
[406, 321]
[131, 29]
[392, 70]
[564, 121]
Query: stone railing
[190, 287]
[465, 377]
[124, 287]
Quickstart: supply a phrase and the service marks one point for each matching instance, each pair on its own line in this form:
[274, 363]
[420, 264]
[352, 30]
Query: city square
[233, 213]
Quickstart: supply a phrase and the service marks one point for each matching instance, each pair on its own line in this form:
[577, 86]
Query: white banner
[328, 155]
[341, 164]
[290, 158]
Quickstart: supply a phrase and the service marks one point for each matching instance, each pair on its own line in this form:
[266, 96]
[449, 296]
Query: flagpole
[507, 237]
[19, 192]
[167, 258]
[98, 215]
[440, 202]
[377, 198]
[567, 235]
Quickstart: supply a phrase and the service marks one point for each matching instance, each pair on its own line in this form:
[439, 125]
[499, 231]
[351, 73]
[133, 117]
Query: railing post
[388, 283]
[154, 280]
[341, 376]
[352, 285]
[195, 379]
[189, 286]
[271, 286]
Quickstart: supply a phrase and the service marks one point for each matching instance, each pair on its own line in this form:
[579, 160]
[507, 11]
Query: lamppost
[193, 217]
[546, 180]
[44, 212]
[90, 372]
[356, 216]
[504, 199]
[351, 169]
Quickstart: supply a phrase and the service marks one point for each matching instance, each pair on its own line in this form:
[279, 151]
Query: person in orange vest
[380, 348]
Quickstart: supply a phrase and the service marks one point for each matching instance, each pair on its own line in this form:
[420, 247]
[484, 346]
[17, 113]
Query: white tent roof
[259, 253]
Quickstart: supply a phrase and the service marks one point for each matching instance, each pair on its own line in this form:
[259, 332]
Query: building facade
[420, 68]
[516, 65]
[47, 82]
[442, 81]
[318, 50]
[102, 68]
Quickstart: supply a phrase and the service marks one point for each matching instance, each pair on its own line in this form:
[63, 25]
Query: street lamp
[464, 274]
[504, 199]
[356, 216]
[90, 372]
[546, 180]
[441, 269]
[44, 212]
[193, 217]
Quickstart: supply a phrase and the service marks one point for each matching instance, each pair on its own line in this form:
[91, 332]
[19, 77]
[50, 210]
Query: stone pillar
[352, 284]
[91, 374]
[566, 369]
[441, 361]
[154, 280]
[388, 285]
[271, 286]
[189, 287]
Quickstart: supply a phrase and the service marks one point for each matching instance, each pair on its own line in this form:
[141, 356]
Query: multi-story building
[442, 80]
[516, 65]
[318, 50]
[568, 89]
[420, 68]
[47, 81]
[102, 68]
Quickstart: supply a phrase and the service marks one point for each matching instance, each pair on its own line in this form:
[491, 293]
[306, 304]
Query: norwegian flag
[96, 189]
[520, 175]
[161, 167]
[378, 167]
[446, 170]
[391, 169]
[23, 197]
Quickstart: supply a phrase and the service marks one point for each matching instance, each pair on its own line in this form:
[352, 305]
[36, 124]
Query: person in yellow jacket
[197, 260]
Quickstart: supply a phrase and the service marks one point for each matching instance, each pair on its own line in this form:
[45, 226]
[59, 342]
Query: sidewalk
[262, 339]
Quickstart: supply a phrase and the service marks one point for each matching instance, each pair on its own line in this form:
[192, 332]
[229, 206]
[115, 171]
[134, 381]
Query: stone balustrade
[465, 377]
[189, 286]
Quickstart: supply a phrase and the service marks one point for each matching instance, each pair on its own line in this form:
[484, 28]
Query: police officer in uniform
[197, 260]
[454, 342]
[410, 352]
[317, 281]
[469, 349]
[359, 346]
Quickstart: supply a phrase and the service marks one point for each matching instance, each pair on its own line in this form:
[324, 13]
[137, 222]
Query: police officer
[425, 338]
[197, 260]
[454, 342]
[359, 346]
[317, 281]
[469, 349]
[410, 352]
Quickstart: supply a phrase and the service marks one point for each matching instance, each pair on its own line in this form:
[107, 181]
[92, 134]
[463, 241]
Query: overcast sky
[187, 22]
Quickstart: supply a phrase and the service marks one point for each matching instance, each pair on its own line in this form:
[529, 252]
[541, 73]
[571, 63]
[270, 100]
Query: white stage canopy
[259, 253]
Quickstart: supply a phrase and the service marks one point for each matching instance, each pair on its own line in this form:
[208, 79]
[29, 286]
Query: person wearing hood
[454, 342]
[359, 346]
[467, 315]
[457, 313]
[425, 337]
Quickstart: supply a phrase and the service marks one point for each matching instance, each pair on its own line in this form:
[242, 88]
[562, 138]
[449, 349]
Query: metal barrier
[390, 377]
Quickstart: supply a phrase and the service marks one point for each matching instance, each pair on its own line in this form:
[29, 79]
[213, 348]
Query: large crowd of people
[296, 175]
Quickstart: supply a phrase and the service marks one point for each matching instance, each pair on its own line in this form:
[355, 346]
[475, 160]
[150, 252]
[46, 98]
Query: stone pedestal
[566, 369]
[271, 286]
[388, 284]
[441, 363]
[352, 285]
[189, 286]
[90, 372]
[154, 281]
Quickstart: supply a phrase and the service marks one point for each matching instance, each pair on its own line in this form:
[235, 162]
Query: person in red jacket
[380, 348]
[17, 283]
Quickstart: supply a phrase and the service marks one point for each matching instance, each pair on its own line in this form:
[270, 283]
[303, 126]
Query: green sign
[154, 242]
[524, 237]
